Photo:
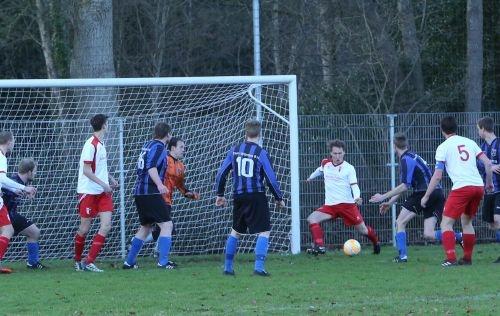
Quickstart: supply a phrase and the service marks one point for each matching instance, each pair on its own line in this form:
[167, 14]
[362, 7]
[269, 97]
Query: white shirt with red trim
[94, 154]
[338, 181]
[459, 155]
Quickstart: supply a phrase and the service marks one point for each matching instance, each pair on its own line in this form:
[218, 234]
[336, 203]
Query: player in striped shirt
[416, 174]
[459, 155]
[491, 147]
[250, 165]
[151, 207]
[6, 228]
[95, 188]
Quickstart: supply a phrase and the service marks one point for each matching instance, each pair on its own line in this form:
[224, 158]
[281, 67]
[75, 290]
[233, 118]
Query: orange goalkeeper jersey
[174, 178]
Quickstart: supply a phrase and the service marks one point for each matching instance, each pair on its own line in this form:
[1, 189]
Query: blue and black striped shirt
[10, 198]
[250, 165]
[415, 172]
[492, 151]
[153, 155]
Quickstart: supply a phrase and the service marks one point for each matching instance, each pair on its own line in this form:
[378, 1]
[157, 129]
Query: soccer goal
[50, 122]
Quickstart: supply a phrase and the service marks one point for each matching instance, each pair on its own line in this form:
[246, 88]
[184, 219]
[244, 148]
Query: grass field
[299, 285]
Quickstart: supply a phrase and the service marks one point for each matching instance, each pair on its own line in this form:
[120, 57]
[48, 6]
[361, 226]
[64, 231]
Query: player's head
[337, 150]
[252, 128]
[400, 141]
[27, 167]
[7, 141]
[176, 147]
[449, 125]
[99, 122]
[162, 132]
[485, 126]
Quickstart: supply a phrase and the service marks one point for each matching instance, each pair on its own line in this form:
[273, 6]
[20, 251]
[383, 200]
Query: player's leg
[469, 239]
[448, 240]
[314, 220]
[164, 244]
[370, 233]
[475, 195]
[80, 236]
[402, 220]
[496, 217]
[6, 232]
[258, 219]
[230, 251]
[261, 248]
[99, 240]
[32, 233]
[136, 245]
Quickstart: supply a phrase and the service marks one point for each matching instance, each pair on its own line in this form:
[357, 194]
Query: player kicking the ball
[342, 197]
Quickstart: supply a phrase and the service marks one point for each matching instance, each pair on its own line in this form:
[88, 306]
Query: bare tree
[276, 37]
[474, 78]
[42, 17]
[411, 44]
[325, 48]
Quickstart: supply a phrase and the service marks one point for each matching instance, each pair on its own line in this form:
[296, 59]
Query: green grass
[331, 284]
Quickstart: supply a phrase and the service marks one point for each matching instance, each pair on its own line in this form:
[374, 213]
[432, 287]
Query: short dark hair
[252, 128]
[5, 137]
[98, 121]
[400, 140]
[449, 125]
[173, 142]
[26, 165]
[486, 123]
[336, 143]
[161, 130]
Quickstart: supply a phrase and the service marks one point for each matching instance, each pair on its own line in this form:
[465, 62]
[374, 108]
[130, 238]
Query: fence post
[393, 173]
[122, 187]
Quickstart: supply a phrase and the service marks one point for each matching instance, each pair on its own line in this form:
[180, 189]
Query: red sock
[4, 244]
[448, 241]
[79, 245]
[317, 234]
[96, 247]
[372, 235]
[469, 241]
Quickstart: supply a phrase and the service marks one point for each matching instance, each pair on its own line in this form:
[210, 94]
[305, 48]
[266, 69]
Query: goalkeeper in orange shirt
[174, 179]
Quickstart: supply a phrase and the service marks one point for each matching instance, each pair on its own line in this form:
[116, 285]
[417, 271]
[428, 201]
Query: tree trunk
[474, 80]
[411, 44]
[324, 44]
[93, 56]
[45, 37]
[276, 37]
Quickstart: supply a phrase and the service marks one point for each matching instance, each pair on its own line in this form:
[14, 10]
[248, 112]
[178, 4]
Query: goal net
[50, 122]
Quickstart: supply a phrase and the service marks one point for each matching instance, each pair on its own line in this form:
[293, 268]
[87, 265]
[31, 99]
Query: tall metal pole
[256, 53]
[393, 173]
[122, 188]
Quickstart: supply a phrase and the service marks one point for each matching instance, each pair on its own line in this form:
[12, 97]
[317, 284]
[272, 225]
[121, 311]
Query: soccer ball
[352, 247]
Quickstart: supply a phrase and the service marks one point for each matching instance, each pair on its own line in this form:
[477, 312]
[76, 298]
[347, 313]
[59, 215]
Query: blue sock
[164, 244]
[261, 253]
[458, 237]
[135, 247]
[33, 252]
[438, 235]
[401, 244]
[498, 235]
[231, 246]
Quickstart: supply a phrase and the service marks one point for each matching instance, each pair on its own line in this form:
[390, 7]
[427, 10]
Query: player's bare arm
[436, 178]
[153, 173]
[376, 198]
[87, 171]
[488, 186]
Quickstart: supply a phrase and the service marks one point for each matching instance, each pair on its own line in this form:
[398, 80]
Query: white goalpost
[50, 122]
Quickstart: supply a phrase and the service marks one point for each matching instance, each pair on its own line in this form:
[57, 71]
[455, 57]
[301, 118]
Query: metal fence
[369, 150]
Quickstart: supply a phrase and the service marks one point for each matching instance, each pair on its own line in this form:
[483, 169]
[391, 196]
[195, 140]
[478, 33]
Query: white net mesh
[52, 124]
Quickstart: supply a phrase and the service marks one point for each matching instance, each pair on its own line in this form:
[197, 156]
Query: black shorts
[434, 206]
[19, 222]
[491, 207]
[152, 209]
[251, 211]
